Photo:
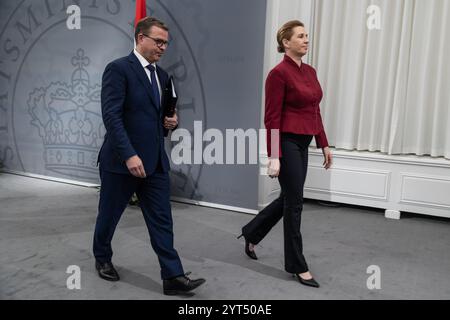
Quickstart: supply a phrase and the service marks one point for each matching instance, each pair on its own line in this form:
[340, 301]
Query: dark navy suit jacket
[133, 122]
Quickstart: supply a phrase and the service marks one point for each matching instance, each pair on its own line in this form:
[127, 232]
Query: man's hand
[273, 167]
[135, 166]
[327, 158]
[171, 123]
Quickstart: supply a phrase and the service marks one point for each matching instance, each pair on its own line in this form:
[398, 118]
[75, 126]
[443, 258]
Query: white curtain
[385, 90]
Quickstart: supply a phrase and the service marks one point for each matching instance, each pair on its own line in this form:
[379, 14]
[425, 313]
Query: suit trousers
[289, 205]
[153, 193]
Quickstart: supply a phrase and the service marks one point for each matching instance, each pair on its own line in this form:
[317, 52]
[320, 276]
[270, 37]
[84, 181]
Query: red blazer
[293, 95]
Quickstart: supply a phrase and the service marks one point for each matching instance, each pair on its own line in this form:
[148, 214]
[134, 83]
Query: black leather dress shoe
[248, 252]
[106, 271]
[181, 285]
[310, 282]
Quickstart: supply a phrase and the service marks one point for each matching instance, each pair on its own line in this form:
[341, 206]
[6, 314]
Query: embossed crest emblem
[70, 129]
[50, 76]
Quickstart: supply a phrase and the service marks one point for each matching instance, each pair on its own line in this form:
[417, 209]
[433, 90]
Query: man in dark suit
[132, 158]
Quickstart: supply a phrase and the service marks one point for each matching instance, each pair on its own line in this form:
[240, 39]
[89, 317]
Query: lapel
[142, 76]
[162, 77]
[163, 83]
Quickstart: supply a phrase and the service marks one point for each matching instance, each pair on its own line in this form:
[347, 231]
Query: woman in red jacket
[292, 118]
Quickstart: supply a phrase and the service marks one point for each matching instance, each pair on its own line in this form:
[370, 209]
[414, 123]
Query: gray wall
[50, 78]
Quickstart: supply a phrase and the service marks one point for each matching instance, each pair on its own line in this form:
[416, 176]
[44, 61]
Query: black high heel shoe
[310, 282]
[248, 252]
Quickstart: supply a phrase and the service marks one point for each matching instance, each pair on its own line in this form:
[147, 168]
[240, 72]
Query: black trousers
[289, 205]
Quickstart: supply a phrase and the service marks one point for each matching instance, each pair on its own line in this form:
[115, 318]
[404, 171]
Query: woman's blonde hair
[286, 32]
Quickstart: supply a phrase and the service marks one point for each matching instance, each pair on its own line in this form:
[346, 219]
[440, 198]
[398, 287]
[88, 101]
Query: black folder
[169, 98]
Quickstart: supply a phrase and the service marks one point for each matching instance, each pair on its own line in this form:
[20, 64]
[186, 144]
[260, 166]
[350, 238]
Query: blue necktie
[154, 85]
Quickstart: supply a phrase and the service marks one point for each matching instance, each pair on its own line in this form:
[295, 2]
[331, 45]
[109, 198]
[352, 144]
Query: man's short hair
[146, 23]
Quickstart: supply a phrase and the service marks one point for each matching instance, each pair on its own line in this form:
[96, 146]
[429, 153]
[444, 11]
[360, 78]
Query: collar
[291, 61]
[142, 60]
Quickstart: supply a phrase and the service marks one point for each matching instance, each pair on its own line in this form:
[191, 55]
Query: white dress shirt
[144, 64]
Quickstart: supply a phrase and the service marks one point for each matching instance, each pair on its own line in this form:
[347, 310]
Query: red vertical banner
[141, 11]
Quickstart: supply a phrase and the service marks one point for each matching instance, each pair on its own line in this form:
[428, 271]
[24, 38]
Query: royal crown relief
[68, 121]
